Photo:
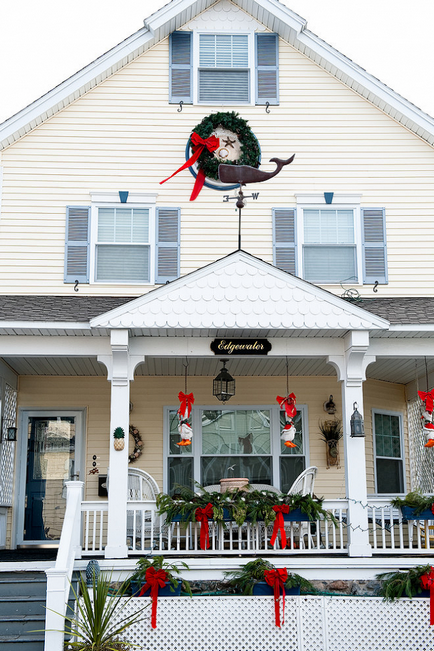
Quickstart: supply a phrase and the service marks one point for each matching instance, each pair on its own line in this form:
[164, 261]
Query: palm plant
[101, 617]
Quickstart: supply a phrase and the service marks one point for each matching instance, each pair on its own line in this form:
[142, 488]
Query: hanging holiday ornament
[287, 403]
[427, 417]
[184, 412]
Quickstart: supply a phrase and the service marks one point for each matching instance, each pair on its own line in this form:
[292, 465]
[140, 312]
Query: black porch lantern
[223, 386]
[9, 433]
[356, 423]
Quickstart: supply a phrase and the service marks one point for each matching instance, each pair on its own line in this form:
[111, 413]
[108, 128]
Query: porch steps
[22, 610]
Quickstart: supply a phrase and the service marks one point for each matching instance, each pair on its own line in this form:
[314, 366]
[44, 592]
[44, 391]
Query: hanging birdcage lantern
[223, 386]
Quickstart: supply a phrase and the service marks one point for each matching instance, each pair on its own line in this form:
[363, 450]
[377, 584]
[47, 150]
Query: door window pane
[388, 451]
[50, 463]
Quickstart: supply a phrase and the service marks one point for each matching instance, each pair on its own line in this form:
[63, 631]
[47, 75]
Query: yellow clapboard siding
[150, 395]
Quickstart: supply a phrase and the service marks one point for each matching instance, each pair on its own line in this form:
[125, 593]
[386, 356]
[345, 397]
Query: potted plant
[250, 580]
[395, 585]
[331, 433]
[415, 506]
[173, 584]
[103, 616]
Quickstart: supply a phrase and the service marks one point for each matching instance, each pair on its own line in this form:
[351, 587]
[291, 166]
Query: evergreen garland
[250, 151]
[402, 584]
[416, 501]
[244, 579]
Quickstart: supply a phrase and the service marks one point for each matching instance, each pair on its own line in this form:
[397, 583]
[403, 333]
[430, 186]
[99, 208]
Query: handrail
[59, 577]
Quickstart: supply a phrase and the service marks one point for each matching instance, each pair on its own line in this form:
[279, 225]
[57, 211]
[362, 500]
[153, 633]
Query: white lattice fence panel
[7, 448]
[421, 458]
[311, 624]
[369, 624]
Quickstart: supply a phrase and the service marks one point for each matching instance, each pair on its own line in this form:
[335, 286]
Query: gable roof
[272, 14]
[240, 291]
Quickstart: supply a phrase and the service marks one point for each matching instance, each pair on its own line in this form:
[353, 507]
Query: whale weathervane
[244, 174]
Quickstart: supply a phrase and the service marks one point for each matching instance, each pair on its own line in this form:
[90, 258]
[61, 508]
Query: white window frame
[251, 65]
[340, 202]
[112, 200]
[275, 432]
[388, 412]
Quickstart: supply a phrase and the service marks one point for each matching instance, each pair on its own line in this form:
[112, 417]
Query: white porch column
[120, 365]
[351, 369]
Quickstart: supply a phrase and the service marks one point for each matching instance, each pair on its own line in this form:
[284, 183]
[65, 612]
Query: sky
[43, 42]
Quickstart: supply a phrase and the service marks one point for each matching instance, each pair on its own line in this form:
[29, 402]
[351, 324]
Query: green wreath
[250, 152]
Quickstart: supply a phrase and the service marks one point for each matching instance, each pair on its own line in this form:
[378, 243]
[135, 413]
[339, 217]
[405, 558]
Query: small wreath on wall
[138, 444]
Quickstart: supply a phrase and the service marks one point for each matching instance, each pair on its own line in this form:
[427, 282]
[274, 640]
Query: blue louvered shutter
[180, 71]
[77, 244]
[167, 245]
[374, 246]
[284, 239]
[267, 68]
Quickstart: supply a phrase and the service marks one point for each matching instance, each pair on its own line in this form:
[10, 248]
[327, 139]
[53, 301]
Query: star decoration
[229, 143]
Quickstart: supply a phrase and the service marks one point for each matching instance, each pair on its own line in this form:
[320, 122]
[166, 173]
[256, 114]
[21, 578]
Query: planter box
[296, 515]
[162, 592]
[408, 514]
[226, 517]
[263, 589]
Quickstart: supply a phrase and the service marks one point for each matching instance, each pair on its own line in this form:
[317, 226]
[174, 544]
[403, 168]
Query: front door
[52, 447]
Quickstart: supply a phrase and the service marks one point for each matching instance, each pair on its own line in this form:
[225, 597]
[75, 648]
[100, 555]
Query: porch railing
[148, 531]
[390, 532]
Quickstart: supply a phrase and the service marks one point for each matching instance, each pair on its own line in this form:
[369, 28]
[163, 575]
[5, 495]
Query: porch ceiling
[387, 369]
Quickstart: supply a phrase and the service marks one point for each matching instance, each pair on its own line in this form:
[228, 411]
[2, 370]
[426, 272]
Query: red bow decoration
[277, 580]
[198, 145]
[187, 400]
[288, 403]
[428, 399]
[155, 579]
[279, 524]
[202, 516]
[427, 583]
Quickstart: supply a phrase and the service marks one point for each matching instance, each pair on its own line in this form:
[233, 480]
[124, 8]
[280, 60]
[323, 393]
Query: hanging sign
[241, 346]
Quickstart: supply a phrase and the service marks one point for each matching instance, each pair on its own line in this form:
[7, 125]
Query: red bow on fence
[428, 399]
[279, 524]
[277, 580]
[427, 582]
[198, 144]
[155, 579]
[187, 400]
[288, 404]
[202, 516]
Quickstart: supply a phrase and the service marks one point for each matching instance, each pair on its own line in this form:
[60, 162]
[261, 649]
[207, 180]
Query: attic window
[223, 71]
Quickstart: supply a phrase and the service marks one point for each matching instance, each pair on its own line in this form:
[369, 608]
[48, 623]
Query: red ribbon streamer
[427, 582]
[428, 399]
[187, 401]
[202, 516]
[155, 579]
[288, 403]
[279, 524]
[277, 580]
[198, 145]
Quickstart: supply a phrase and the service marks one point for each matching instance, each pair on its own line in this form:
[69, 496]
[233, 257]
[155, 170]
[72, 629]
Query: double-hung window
[123, 251]
[331, 244]
[329, 249]
[244, 441]
[388, 451]
[223, 72]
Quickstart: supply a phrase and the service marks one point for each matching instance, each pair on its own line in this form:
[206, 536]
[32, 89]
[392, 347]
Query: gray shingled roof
[413, 311]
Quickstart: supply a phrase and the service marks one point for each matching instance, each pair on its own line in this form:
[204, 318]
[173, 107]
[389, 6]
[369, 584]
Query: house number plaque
[240, 346]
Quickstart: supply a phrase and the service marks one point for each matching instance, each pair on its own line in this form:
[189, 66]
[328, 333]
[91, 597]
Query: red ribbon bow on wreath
[155, 579]
[288, 403]
[427, 583]
[279, 524]
[277, 580]
[187, 400]
[202, 516]
[428, 399]
[198, 145]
